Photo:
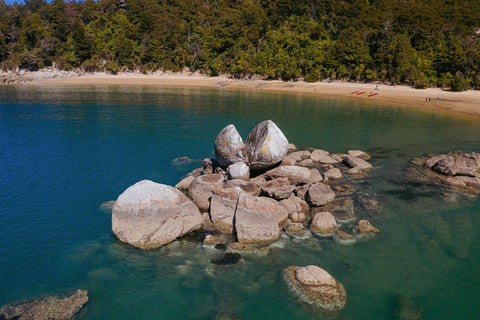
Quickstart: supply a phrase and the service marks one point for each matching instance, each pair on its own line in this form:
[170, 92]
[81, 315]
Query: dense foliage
[417, 42]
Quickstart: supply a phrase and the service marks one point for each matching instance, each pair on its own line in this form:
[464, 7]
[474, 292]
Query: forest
[422, 43]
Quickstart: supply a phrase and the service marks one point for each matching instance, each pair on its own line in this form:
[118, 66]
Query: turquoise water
[65, 151]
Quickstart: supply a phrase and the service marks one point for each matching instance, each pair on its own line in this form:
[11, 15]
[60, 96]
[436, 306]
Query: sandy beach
[461, 103]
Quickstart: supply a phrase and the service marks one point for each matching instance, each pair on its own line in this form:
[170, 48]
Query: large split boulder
[148, 215]
[51, 308]
[257, 220]
[229, 147]
[266, 145]
[316, 286]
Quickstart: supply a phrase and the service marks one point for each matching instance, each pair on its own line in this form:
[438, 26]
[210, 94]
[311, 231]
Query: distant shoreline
[466, 102]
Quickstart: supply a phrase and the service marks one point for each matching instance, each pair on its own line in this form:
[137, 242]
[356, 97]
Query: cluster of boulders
[51, 308]
[456, 171]
[251, 191]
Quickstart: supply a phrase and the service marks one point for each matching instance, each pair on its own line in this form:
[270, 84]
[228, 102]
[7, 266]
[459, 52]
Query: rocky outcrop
[456, 165]
[256, 220]
[225, 200]
[266, 145]
[316, 286]
[51, 308]
[148, 215]
[456, 171]
[319, 194]
[229, 147]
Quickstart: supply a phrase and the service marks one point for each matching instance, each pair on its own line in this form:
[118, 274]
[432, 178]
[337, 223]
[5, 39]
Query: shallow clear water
[65, 150]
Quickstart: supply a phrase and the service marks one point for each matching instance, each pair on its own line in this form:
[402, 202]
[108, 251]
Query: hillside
[414, 42]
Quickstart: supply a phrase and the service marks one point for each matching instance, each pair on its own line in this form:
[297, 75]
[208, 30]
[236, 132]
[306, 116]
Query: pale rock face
[229, 147]
[256, 220]
[295, 174]
[317, 287]
[148, 215]
[319, 194]
[222, 208]
[266, 145]
[323, 224]
[238, 170]
[200, 190]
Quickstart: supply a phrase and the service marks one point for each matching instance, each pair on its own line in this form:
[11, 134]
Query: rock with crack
[266, 145]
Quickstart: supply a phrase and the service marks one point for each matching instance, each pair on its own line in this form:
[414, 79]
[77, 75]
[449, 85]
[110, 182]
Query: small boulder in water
[317, 287]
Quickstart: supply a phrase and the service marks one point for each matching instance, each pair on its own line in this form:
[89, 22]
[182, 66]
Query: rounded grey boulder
[148, 215]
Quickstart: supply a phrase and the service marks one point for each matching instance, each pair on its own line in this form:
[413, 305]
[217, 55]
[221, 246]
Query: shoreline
[466, 103]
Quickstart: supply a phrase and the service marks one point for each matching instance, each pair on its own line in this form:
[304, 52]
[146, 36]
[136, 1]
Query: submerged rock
[148, 215]
[407, 310]
[227, 258]
[297, 230]
[266, 145]
[317, 287]
[457, 172]
[51, 308]
[229, 147]
[363, 229]
[343, 238]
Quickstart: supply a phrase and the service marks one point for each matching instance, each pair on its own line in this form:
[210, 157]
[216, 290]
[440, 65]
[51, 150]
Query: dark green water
[64, 151]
